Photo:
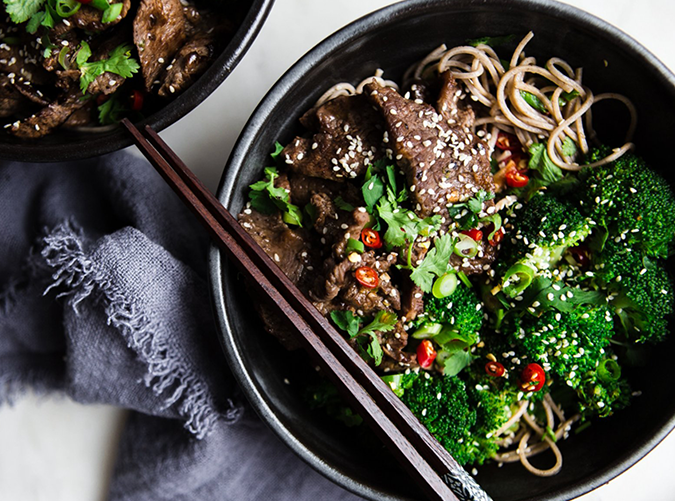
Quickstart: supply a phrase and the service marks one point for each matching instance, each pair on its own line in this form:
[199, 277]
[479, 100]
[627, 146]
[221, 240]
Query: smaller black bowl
[392, 39]
[62, 145]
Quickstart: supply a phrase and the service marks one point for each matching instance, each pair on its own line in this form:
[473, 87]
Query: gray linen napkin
[103, 297]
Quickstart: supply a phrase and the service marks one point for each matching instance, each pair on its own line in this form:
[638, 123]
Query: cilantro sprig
[383, 321]
[435, 263]
[49, 12]
[120, 63]
[269, 199]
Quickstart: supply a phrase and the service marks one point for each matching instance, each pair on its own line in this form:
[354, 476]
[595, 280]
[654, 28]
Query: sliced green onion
[519, 278]
[64, 61]
[609, 371]
[66, 8]
[355, 245]
[444, 285]
[100, 4]
[293, 215]
[112, 13]
[395, 382]
[465, 280]
[466, 246]
[427, 330]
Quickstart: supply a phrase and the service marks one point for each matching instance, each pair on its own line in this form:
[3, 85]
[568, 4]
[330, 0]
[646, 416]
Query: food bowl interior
[69, 144]
[392, 39]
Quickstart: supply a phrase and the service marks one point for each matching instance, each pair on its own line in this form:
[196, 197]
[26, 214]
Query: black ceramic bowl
[64, 144]
[392, 39]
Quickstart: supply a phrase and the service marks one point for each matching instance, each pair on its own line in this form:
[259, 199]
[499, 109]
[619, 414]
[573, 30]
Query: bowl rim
[217, 260]
[209, 81]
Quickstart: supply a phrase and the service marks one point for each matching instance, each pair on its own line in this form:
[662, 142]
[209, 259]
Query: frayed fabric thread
[75, 272]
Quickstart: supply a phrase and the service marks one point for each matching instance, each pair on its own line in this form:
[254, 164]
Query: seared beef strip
[450, 106]
[393, 345]
[190, 62]
[443, 163]
[159, 31]
[88, 18]
[346, 138]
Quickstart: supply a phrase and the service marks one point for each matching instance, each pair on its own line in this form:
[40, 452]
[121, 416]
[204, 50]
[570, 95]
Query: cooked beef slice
[159, 31]
[443, 163]
[289, 248]
[339, 288]
[412, 300]
[11, 101]
[304, 187]
[393, 344]
[450, 105]
[88, 18]
[190, 62]
[346, 138]
[486, 255]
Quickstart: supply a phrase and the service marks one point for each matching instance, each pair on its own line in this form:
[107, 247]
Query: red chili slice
[426, 354]
[532, 378]
[367, 277]
[516, 178]
[474, 233]
[136, 100]
[371, 238]
[494, 369]
[497, 237]
[508, 142]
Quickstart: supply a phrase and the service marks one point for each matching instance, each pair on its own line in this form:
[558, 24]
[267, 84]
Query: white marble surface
[55, 450]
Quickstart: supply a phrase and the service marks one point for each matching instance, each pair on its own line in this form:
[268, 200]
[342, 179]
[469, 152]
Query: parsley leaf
[267, 199]
[22, 10]
[120, 62]
[435, 263]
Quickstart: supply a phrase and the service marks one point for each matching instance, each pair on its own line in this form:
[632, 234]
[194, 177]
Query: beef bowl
[275, 379]
[69, 73]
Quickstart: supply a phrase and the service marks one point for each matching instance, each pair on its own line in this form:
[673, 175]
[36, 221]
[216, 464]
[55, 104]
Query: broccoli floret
[631, 201]
[603, 390]
[443, 405]
[566, 344]
[462, 311]
[640, 290]
[542, 231]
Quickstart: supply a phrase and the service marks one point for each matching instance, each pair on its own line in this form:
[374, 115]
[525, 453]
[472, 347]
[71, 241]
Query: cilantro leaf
[456, 362]
[435, 263]
[384, 321]
[540, 162]
[268, 199]
[278, 148]
[341, 204]
[111, 111]
[404, 224]
[346, 321]
[120, 62]
[372, 190]
[21, 11]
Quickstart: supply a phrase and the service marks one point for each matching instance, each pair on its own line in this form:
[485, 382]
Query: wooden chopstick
[420, 454]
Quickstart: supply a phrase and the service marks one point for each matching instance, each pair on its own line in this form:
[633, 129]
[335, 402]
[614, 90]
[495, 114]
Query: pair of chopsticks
[439, 476]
